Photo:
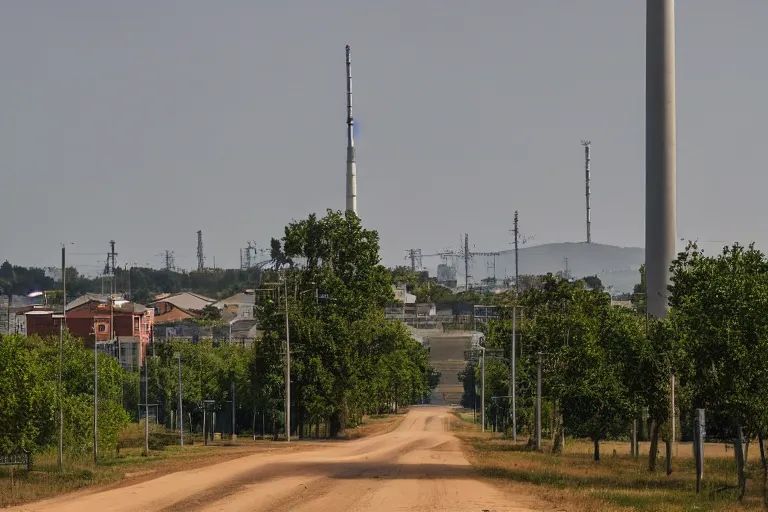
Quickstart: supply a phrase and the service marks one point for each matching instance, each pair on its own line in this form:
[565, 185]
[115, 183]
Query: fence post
[699, 432]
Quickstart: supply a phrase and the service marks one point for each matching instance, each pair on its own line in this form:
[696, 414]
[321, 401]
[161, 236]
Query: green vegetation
[347, 361]
[29, 396]
[605, 366]
[217, 283]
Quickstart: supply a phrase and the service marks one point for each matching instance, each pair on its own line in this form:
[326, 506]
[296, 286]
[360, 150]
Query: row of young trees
[31, 396]
[347, 359]
[605, 366]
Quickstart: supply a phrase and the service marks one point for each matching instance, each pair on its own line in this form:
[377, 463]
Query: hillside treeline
[141, 282]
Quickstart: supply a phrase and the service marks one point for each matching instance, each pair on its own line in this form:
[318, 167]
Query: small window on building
[136, 325]
[102, 328]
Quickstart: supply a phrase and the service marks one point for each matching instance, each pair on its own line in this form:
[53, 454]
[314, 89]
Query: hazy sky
[144, 121]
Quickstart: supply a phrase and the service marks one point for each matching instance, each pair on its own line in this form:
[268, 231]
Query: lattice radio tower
[200, 256]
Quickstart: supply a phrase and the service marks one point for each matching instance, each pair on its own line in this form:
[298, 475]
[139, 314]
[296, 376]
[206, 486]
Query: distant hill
[615, 266]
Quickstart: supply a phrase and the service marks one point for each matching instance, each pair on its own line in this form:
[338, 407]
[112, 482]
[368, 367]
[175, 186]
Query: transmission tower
[169, 261]
[200, 256]
[112, 255]
[415, 256]
[248, 251]
[467, 256]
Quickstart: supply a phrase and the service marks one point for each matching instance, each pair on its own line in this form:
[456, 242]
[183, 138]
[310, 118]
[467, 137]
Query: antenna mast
[200, 256]
[587, 145]
[351, 167]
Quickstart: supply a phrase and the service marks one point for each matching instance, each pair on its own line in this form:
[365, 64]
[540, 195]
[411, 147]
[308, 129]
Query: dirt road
[417, 467]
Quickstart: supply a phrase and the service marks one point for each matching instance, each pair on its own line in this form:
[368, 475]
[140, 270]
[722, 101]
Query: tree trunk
[738, 452]
[558, 442]
[597, 449]
[668, 445]
[335, 424]
[654, 449]
[299, 420]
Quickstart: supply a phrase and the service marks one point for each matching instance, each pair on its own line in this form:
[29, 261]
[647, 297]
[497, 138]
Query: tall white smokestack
[351, 167]
[587, 179]
[660, 152]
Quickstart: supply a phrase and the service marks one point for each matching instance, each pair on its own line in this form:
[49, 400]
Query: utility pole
[517, 261]
[512, 372]
[482, 390]
[287, 368]
[146, 406]
[61, 351]
[660, 166]
[587, 145]
[181, 407]
[233, 408]
[95, 397]
[538, 405]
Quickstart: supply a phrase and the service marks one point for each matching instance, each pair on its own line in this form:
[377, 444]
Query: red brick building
[95, 318]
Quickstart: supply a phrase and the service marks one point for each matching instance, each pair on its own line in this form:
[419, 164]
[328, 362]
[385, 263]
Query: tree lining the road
[349, 359]
[605, 366]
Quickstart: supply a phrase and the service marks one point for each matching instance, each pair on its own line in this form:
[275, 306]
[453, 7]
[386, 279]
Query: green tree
[719, 308]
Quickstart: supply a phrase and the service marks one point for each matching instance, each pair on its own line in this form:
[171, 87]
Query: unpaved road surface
[417, 467]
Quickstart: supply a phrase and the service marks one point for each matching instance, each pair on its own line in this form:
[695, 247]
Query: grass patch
[573, 481]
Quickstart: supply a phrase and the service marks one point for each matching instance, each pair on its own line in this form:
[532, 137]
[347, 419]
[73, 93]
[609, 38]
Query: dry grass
[130, 467]
[574, 482]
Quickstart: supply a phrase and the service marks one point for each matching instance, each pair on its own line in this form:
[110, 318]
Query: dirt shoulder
[81, 477]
